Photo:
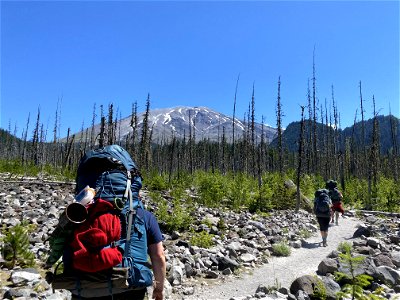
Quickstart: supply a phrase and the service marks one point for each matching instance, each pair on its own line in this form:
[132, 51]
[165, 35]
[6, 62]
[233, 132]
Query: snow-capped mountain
[204, 122]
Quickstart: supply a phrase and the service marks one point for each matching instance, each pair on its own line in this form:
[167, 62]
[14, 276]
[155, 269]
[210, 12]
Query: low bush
[202, 239]
[281, 249]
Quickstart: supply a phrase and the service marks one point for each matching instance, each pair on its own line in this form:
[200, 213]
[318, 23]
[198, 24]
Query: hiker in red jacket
[337, 201]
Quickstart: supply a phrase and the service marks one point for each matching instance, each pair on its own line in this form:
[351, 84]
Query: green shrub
[15, 167]
[15, 248]
[388, 193]
[356, 193]
[305, 233]
[174, 217]
[202, 239]
[211, 188]
[319, 291]
[239, 190]
[344, 247]
[156, 182]
[281, 249]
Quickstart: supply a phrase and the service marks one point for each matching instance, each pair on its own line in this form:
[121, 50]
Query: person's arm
[156, 252]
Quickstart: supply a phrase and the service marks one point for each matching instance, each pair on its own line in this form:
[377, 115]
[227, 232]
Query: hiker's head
[331, 184]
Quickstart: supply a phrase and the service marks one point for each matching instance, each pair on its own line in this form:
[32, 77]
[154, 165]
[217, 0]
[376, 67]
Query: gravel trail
[280, 271]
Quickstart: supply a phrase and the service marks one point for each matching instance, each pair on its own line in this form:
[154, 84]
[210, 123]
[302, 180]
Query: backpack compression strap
[128, 193]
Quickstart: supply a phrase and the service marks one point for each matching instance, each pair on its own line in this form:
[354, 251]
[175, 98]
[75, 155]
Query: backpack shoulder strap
[132, 211]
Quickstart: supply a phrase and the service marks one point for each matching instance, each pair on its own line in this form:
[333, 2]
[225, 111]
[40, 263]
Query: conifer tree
[15, 247]
[354, 284]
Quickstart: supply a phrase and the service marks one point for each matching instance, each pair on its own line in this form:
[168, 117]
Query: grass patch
[281, 249]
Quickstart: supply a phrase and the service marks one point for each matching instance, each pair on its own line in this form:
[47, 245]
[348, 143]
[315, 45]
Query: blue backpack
[322, 203]
[114, 176]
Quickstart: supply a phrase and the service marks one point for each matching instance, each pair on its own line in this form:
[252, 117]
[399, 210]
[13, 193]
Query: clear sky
[75, 54]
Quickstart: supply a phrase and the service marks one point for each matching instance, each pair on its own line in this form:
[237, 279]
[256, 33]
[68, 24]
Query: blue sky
[81, 53]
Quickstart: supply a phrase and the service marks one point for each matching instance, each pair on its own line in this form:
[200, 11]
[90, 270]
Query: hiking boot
[324, 243]
[337, 223]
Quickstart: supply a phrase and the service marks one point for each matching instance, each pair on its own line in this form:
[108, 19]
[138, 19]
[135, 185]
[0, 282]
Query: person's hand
[158, 294]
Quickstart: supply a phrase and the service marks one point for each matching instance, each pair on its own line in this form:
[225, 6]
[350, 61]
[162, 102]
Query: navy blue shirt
[154, 235]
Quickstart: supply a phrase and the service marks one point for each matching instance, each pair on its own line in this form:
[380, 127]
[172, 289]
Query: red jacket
[92, 239]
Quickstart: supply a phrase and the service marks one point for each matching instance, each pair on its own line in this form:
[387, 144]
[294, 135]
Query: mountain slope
[203, 122]
[290, 137]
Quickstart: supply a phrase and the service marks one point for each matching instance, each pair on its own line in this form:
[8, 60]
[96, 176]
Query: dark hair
[331, 184]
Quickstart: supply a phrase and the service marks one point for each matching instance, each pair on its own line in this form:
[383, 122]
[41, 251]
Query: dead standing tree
[233, 129]
[314, 152]
[279, 129]
[373, 169]
[253, 136]
[300, 159]
[144, 154]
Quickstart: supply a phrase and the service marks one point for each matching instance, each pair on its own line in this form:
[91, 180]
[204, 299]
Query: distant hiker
[337, 200]
[106, 245]
[322, 209]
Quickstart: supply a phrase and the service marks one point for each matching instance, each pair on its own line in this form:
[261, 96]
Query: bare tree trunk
[315, 147]
[92, 132]
[171, 163]
[363, 144]
[374, 159]
[110, 125]
[395, 155]
[102, 132]
[134, 125]
[35, 139]
[300, 161]
[144, 138]
[25, 141]
[253, 142]
[233, 129]
[279, 128]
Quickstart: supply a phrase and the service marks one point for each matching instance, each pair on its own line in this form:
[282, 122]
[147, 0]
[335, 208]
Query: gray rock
[257, 225]
[227, 271]
[23, 293]
[331, 286]
[304, 283]
[212, 274]
[396, 258]
[362, 231]
[176, 275]
[295, 244]
[373, 242]
[27, 277]
[388, 275]
[301, 295]
[328, 265]
[383, 260]
[247, 257]
[226, 262]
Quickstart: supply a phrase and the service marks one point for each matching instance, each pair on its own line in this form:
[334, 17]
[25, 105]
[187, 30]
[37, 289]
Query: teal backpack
[114, 176]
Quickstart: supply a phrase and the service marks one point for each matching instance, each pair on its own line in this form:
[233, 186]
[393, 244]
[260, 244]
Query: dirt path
[280, 271]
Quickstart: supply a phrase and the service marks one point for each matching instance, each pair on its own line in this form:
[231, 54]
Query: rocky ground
[243, 246]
